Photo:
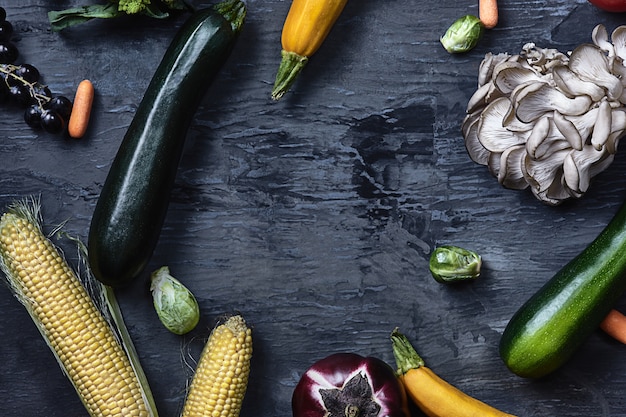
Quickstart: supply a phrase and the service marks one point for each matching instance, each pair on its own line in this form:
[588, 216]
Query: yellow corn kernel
[221, 378]
[76, 331]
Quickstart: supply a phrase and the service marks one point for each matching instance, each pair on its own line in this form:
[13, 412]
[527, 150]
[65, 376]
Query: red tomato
[610, 5]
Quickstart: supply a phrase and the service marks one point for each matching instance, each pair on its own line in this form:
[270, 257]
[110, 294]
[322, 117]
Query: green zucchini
[131, 209]
[546, 331]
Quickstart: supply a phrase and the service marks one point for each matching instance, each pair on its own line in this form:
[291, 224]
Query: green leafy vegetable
[62, 19]
[175, 305]
[452, 263]
[463, 34]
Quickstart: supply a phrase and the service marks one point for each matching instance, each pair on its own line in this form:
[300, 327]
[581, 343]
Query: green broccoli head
[132, 6]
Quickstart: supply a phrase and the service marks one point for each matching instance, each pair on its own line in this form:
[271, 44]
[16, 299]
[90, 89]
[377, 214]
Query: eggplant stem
[352, 410]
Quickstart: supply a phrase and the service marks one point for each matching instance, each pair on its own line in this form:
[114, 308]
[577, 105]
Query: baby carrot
[614, 324]
[81, 110]
[488, 13]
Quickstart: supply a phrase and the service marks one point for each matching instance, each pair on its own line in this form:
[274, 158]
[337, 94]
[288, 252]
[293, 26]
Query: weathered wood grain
[314, 216]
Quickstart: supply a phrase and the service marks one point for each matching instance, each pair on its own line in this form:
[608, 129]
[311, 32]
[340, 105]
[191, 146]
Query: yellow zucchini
[307, 24]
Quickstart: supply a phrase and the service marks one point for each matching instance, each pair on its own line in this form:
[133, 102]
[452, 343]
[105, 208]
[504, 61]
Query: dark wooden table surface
[315, 216]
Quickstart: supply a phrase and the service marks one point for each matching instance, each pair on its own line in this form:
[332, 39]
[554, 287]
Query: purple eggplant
[349, 385]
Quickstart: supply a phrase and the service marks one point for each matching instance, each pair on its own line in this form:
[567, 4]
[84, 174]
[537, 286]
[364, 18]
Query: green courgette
[546, 331]
[131, 209]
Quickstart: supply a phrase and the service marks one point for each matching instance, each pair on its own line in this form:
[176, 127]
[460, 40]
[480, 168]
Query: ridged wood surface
[314, 216]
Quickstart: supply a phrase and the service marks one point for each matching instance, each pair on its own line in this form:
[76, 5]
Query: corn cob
[80, 337]
[221, 378]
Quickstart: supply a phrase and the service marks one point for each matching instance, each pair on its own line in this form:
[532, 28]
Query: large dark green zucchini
[132, 206]
[546, 331]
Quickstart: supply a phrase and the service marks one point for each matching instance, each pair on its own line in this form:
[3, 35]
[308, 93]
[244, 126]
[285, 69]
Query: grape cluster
[20, 84]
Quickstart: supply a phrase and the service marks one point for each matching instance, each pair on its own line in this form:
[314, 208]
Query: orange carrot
[614, 324]
[81, 110]
[488, 13]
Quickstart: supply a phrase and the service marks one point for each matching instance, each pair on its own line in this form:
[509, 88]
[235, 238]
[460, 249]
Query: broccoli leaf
[154, 11]
[60, 20]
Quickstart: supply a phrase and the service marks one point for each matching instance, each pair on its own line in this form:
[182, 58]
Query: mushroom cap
[492, 134]
[535, 100]
[618, 39]
[550, 121]
[572, 85]
[510, 74]
[591, 64]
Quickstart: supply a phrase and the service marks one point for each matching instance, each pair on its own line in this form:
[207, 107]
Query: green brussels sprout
[175, 305]
[451, 264]
[463, 34]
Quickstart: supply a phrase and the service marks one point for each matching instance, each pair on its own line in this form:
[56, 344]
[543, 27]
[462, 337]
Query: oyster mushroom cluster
[547, 120]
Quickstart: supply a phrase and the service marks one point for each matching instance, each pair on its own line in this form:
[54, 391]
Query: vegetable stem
[406, 356]
[290, 67]
[234, 11]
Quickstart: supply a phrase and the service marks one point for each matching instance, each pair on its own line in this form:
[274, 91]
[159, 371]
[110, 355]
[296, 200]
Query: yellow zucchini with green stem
[306, 27]
[433, 395]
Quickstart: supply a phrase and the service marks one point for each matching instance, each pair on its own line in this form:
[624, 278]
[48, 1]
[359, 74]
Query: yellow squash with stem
[104, 371]
[434, 396]
[307, 24]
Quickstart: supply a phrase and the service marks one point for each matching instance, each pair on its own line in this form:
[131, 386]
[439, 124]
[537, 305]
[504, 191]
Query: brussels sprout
[451, 263]
[463, 34]
[175, 305]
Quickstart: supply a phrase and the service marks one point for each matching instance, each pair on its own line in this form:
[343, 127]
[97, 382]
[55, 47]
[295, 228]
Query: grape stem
[9, 71]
